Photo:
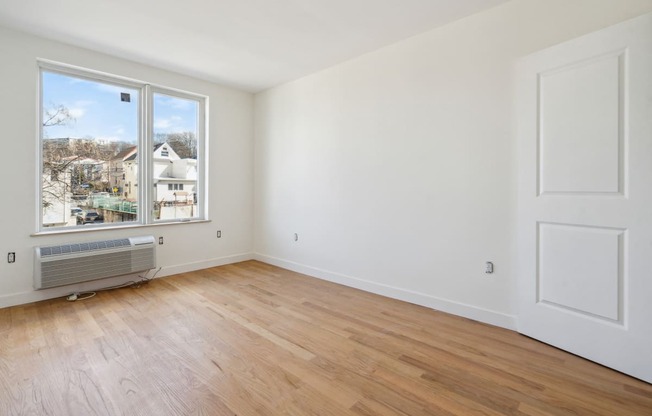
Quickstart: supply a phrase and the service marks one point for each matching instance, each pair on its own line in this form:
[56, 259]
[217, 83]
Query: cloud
[77, 113]
[73, 80]
[100, 86]
[114, 89]
[78, 108]
[173, 102]
[167, 123]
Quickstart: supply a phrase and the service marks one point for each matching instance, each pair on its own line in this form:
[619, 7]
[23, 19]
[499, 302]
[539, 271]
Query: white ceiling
[247, 44]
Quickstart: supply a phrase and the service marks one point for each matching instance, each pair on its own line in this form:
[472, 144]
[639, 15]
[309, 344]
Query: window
[175, 130]
[94, 128]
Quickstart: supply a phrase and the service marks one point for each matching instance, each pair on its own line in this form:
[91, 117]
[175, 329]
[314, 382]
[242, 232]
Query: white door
[585, 196]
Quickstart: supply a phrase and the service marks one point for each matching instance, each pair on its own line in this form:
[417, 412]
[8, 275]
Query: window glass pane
[175, 130]
[89, 146]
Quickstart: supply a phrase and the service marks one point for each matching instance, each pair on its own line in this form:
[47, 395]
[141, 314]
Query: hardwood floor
[253, 339]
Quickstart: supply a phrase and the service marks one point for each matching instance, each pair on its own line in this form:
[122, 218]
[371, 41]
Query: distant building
[85, 171]
[116, 169]
[56, 198]
[175, 179]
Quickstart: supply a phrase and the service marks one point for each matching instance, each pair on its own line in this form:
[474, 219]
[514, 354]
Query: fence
[112, 203]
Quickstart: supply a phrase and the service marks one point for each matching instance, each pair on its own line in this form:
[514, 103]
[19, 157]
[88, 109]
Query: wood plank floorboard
[254, 339]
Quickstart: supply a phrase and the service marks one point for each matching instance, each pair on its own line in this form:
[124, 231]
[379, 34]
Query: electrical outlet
[489, 267]
[219, 233]
[11, 257]
[160, 240]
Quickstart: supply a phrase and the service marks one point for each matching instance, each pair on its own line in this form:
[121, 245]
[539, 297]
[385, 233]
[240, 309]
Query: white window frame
[145, 146]
[202, 155]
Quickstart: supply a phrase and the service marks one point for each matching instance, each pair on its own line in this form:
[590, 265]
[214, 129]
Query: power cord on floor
[132, 283]
[80, 296]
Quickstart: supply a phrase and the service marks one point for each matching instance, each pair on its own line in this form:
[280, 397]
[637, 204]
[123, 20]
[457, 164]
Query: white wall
[187, 246]
[397, 168]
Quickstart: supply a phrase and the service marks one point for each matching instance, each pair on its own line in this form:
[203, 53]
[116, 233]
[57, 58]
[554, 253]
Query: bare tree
[58, 115]
[56, 157]
[65, 167]
[183, 143]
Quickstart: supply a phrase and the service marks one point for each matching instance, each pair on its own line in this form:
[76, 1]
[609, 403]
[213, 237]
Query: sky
[99, 112]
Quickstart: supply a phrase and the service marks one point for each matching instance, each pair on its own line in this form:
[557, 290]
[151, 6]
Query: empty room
[311, 207]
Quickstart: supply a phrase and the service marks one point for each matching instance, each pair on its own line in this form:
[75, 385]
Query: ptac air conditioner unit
[80, 262]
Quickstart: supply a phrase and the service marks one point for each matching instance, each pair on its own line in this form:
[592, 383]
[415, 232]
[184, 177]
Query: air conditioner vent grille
[83, 247]
[82, 262]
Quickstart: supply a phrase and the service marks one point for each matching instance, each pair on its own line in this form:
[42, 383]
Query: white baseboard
[444, 305]
[456, 308]
[60, 292]
[205, 264]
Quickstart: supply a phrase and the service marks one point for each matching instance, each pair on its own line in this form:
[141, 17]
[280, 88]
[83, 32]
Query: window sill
[113, 227]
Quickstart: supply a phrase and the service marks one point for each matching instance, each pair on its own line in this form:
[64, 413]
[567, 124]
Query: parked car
[76, 212]
[90, 218]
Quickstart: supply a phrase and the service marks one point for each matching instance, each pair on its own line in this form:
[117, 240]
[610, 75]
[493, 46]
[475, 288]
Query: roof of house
[135, 155]
[123, 155]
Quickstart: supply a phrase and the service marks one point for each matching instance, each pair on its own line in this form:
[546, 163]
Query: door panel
[585, 196]
[580, 115]
[580, 269]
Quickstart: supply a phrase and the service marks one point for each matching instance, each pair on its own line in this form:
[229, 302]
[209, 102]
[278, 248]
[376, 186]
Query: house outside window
[91, 150]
